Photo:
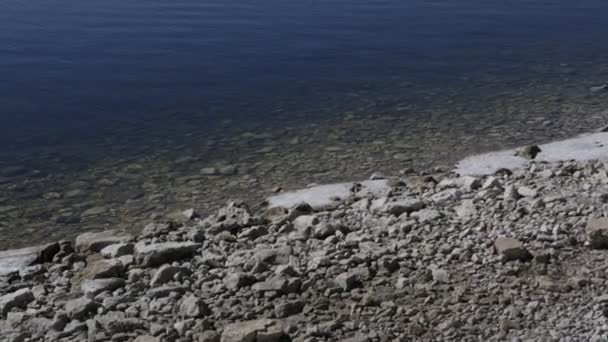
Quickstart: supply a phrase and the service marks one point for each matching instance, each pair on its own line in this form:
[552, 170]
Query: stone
[166, 273]
[277, 284]
[95, 242]
[96, 286]
[81, 307]
[237, 280]
[329, 196]
[528, 151]
[527, 192]
[466, 210]
[262, 330]
[17, 299]
[118, 250]
[287, 309]
[426, 215]
[440, 275]
[14, 260]
[146, 338]
[511, 249]
[157, 254]
[94, 211]
[103, 269]
[348, 281]
[403, 206]
[193, 307]
[597, 232]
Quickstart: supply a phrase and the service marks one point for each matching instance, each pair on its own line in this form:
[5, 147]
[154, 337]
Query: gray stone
[118, 250]
[12, 261]
[95, 242]
[96, 286]
[237, 280]
[17, 299]
[81, 307]
[511, 249]
[528, 151]
[403, 206]
[166, 273]
[157, 254]
[193, 307]
[262, 330]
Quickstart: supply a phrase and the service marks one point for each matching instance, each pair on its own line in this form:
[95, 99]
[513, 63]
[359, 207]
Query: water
[76, 68]
[115, 107]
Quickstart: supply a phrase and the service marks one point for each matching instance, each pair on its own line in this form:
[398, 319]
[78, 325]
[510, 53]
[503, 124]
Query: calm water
[79, 69]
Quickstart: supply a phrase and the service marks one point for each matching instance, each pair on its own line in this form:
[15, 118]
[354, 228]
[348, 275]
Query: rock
[17, 299]
[329, 196]
[511, 193]
[237, 280]
[146, 338]
[491, 183]
[445, 196]
[103, 269]
[95, 242]
[426, 215]
[231, 218]
[528, 151]
[94, 211]
[118, 250]
[193, 307]
[262, 330]
[277, 284]
[511, 249]
[348, 281]
[81, 307]
[466, 210]
[287, 309]
[97, 286]
[527, 192]
[165, 252]
[403, 206]
[597, 232]
[440, 275]
[274, 256]
[12, 261]
[166, 273]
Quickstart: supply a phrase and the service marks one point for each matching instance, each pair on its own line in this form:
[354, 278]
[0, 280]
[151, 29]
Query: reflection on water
[73, 69]
[117, 113]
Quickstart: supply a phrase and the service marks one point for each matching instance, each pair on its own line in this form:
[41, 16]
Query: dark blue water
[76, 68]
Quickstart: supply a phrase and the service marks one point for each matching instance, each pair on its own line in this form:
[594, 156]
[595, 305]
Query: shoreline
[429, 256]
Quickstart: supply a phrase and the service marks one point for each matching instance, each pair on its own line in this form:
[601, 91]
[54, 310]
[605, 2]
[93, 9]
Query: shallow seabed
[138, 174]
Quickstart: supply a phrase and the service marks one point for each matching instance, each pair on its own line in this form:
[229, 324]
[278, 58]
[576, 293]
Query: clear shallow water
[75, 70]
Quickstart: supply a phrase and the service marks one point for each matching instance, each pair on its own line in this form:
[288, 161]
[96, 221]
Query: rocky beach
[508, 246]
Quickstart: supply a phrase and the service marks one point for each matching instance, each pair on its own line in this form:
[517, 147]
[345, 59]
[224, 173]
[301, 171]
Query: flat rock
[330, 195]
[582, 148]
[95, 242]
[157, 254]
[166, 273]
[511, 249]
[262, 330]
[96, 286]
[79, 308]
[14, 260]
